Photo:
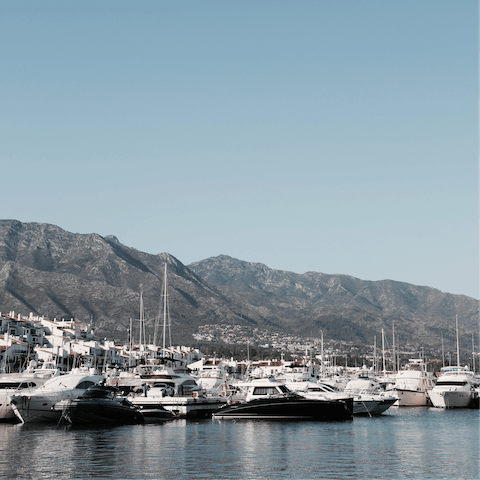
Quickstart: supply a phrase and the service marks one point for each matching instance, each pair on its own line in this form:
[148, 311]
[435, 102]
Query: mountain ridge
[316, 286]
[49, 271]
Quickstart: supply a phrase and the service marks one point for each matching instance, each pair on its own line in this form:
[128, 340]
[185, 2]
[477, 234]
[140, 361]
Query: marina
[187, 384]
[145, 411]
[240, 241]
[422, 443]
[77, 426]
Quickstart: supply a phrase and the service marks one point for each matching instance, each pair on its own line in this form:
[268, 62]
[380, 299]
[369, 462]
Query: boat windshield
[85, 384]
[97, 391]
[327, 388]
[163, 384]
[270, 390]
[415, 367]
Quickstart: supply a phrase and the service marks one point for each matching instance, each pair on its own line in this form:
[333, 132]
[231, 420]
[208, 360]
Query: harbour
[421, 443]
[240, 242]
[168, 418]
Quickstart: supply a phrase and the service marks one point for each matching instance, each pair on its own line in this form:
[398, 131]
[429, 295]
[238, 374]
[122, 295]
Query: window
[85, 384]
[457, 383]
[9, 385]
[265, 391]
[27, 385]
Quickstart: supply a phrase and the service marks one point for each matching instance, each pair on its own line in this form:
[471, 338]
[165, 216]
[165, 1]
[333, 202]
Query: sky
[335, 137]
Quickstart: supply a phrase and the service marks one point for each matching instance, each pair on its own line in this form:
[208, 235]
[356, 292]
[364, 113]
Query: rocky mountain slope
[341, 303]
[48, 271]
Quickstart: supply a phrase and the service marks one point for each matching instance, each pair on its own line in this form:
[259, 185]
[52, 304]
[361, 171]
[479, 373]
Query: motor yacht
[25, 381]
[211, 375]
[9, 387]
[99, 404]
[298, 372]
[413, 384]
[368, 397]
[270, 399]
[37, 405]
[176, 392]
[455, 388]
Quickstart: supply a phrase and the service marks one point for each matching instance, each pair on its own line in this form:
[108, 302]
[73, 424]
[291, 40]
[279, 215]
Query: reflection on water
[420, 443]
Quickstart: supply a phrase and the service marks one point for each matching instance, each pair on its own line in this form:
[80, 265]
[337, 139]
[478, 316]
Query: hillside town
[339, 353]
[68, 344]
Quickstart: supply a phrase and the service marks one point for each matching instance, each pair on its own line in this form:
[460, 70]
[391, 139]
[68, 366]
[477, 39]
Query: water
[413, 443]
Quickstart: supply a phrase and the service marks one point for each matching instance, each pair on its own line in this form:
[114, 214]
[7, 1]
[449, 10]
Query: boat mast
[375, 354]
[130, 348]
[142, 327]
[393, 355]
[321, 364]
[164, 309]
[383, 350]
[443, 354]
[473, 352]
[157, 320]
[458, 346]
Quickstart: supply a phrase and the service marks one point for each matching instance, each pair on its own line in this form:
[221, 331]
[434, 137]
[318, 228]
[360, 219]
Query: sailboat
[164, 381]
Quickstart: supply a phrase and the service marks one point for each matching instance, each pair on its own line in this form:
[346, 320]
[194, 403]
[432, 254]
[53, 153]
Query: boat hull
[451, 398]
[409, 398]
[98, 411]
[185, 407]
[281, 408]
[38, 405]
[372, 407]
[154, 415]
[6, 412]
[36, 409]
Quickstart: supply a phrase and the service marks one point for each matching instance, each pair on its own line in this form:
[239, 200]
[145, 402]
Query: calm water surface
[416, 443]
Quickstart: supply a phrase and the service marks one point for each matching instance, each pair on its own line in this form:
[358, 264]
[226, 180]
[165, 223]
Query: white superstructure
[455, 388]
[36, 405]
[413, 384]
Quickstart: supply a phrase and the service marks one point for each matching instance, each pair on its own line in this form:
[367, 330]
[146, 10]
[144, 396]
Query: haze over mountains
[51, 272]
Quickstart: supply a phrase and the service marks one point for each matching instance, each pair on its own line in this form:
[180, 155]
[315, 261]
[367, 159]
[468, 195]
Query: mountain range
[98, 280]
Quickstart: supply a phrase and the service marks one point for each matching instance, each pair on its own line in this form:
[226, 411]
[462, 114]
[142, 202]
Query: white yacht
[455, 388]
[176, 392]
[318, 391]
[210, 375]
[12, 383]
[36, 405]
[271, 399]
[368, 399]
[413, 384]
[8, 387]
[368, 396]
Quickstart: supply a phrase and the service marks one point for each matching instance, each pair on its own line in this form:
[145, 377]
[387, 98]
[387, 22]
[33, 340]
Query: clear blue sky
[328, 136]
